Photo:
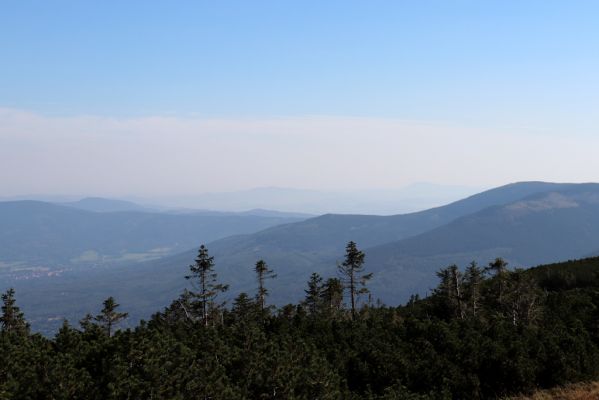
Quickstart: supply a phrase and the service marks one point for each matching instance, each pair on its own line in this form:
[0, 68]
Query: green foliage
[314, 294]
[109, 316]
[475, 337]
[207, 287]
[262, 274]
[350, 271]
[12, 320]
[332, 296]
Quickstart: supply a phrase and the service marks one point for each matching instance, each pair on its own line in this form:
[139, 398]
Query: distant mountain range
[418, 196]
[100, 204]
[98, 231]
[410, 198]
[317, 244]
[541, 228]
[528, 223]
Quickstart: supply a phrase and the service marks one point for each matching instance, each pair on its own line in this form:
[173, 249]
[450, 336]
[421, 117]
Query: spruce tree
[500, 271]
[522, 296]
[314, 293]
[473, 278]
[332, 294]
[109, 317]
[450, 288]
[350, 271]
[204, 280]
[262, 274]
[244, 308]
[12, 319]
[180, 309]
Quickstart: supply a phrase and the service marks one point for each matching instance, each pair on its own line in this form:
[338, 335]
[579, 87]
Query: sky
[155, 97]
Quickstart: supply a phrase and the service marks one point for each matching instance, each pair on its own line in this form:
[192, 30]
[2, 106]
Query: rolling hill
[324, 237]
[317, 244]
[527, 223]
[39, 234]
[542, 228]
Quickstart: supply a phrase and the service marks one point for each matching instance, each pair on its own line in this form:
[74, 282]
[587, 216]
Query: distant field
[579, 391]
[19, 266]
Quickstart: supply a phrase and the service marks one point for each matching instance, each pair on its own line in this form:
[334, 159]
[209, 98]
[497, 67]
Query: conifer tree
[522, 297]
[262, 274]
[314, 295]
[12, 319]
[499, 270]
[350, 271]
[332, 294]
[244, 308]
[109, 317]
[473, 277]
[450, 288]
[204, 280]
[87, 322]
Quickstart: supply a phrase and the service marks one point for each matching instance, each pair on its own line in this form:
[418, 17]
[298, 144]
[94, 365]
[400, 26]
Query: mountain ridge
[146, 286]
[53, 234]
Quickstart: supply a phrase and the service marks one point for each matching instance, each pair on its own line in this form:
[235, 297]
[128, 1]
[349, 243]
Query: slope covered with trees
[557, 222]
[484, 332]
[39, 234]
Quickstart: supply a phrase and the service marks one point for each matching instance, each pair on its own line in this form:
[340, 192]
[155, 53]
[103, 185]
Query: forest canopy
[484, 332]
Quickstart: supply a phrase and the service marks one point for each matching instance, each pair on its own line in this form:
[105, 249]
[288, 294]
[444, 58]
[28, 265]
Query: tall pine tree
[204, 280]
[262, 274]
[314, 293]
[473, 278]
[332, 295]
[109, 316]
[12, 319]
[350, 271]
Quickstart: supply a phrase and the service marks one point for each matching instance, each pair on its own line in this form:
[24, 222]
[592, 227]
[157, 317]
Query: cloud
[175, 155]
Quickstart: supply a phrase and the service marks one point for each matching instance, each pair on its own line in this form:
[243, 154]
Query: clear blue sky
[528, 67]
[407, 59]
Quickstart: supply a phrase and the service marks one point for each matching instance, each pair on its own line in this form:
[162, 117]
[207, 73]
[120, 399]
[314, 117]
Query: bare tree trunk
[261, 290]
[352, 291]
[204, 300]
[458, 293]
[474, 295]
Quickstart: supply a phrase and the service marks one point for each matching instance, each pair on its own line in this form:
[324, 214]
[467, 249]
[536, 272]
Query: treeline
[484, 332]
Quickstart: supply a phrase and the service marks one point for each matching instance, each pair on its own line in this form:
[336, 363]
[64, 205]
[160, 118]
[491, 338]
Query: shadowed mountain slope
[39, 233]
[326, 235]
[533, 223]
[554, 225]
[542, 228]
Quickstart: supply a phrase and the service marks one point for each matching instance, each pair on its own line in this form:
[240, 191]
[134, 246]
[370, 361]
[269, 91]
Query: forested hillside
[485, 332]
[526, 223]
[36, 235]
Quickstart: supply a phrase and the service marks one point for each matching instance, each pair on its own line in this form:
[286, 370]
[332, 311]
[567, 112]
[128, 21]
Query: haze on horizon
[188, 97]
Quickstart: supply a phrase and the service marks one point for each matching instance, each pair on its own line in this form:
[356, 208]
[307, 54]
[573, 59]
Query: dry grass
[579, 391]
